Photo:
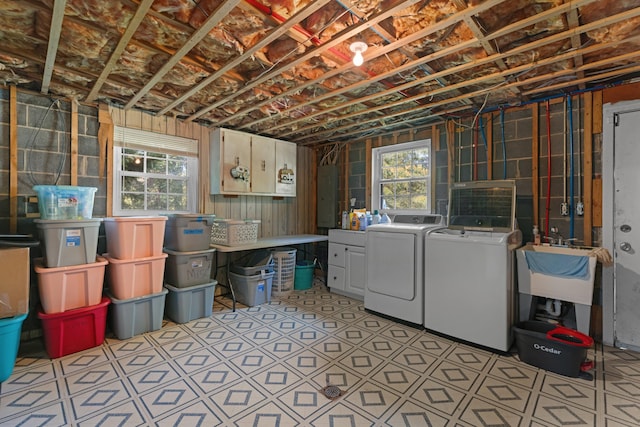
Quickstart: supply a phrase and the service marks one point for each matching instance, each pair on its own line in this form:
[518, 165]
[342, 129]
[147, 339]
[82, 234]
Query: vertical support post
[74, 142]
[587, 167]
[535, 159]
[13, 159]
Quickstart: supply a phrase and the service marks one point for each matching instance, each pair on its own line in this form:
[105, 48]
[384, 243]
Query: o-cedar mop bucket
[553, 348]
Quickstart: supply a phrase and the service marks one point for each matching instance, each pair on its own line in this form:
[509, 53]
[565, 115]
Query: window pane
[178, 167]
[132, 201]
[133, 163]
[388, 173]
[402, 189]
[157, 201]
[419, 201]
[389, 160]
[156, 185]
[418, 187]
[178, 186]
[156, 166]
[387, 189]
[133, 183]
[177, 203]
[403, 203]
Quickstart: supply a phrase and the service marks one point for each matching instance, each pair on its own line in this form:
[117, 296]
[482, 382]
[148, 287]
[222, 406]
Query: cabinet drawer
[335, 277]
[337, 254]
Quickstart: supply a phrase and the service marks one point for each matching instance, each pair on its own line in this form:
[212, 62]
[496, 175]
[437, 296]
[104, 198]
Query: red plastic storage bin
[74, 330]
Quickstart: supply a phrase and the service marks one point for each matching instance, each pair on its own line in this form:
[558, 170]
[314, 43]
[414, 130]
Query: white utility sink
[570, 289]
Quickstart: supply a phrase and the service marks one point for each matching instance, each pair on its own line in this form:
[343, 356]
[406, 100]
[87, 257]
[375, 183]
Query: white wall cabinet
[346, 263]
[242, 163]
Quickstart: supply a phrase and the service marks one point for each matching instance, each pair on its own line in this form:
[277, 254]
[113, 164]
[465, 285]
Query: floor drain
[332, 392]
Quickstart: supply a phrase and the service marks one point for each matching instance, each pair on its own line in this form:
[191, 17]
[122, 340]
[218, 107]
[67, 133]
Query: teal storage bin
[303, 279]
[10, 329]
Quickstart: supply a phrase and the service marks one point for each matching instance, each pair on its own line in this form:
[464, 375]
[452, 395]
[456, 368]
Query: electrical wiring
[63, 148]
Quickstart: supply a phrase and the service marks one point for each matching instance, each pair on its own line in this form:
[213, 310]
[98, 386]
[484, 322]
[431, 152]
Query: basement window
[154, 173]
[401, 176]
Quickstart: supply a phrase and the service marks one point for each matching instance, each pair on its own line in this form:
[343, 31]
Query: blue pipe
[504, 146]
[571, 213]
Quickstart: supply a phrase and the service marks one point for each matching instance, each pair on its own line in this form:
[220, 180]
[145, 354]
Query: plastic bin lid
[189, 253]
[70, 221]
[189, 215]
[136, 218]
[18, 241]
[238, 221]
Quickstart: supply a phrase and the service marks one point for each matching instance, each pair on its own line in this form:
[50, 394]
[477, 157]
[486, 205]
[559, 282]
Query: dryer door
[391, 264]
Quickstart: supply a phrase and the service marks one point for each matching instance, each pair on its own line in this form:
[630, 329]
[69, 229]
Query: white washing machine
[394, 256]
[470, 290]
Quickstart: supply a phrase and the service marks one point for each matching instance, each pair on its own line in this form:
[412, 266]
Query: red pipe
[548, 206]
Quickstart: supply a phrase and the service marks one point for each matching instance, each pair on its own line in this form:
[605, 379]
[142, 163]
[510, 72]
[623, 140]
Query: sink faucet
[559, 240]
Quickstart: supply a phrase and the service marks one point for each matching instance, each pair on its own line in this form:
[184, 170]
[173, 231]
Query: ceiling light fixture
[358, 48]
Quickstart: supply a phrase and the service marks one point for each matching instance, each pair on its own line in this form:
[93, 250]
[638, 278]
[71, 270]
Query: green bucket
[304, 275]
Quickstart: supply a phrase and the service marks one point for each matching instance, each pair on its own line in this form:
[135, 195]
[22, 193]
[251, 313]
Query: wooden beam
[134, 23]
[367, 173]
[535, 159]
[587, 168]
[212, 20]
[597, 112]
[13, 159]
[57, 16]
[345, 174]
[264, 41]
[74, 142]
[489, 128]
[451, 151]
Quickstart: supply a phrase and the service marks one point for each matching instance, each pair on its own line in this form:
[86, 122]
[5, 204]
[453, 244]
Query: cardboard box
[14, 281]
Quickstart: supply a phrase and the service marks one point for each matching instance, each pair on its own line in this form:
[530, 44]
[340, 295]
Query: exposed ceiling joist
[57, 17]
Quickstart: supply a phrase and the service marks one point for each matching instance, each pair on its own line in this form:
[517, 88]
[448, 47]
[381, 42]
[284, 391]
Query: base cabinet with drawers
[346, 263]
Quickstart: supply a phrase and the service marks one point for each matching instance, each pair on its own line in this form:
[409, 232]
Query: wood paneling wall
[278, 216]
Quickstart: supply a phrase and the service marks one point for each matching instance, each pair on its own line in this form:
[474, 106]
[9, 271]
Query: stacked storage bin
[70, 275]
[135, 273]
[188, 268]
[251, 278]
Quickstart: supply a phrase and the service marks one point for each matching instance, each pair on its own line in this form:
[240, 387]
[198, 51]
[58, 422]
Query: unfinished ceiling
[283, 68]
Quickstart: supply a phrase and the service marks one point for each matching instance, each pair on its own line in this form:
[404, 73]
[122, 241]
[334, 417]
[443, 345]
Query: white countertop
[274, 241]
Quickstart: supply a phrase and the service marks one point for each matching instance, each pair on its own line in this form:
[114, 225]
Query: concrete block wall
[517, 127]
[44, 140]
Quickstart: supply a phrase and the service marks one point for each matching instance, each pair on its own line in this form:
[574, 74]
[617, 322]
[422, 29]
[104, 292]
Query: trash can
[552, 347]
[303, 278]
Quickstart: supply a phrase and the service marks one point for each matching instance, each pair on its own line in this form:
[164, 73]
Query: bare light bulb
[357, 48]
[358, 59]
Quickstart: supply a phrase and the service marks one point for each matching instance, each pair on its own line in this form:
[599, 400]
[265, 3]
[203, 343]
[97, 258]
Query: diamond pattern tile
[267, 366]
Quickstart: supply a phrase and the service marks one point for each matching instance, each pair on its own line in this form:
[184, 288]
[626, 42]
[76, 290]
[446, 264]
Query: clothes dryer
[394, 255]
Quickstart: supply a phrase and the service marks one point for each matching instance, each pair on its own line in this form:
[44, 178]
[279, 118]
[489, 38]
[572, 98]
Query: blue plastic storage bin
[10, 329]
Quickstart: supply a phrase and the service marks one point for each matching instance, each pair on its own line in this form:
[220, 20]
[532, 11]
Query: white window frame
[158, 143]
[376, 180]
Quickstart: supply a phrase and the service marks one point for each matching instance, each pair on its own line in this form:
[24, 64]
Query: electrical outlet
[580, 208]
[564, 209]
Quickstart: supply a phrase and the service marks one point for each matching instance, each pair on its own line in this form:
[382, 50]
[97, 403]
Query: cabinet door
[263, 164]
[355, 270]
[337, 254]
[236, 161]
[336, 277]
[285, 172]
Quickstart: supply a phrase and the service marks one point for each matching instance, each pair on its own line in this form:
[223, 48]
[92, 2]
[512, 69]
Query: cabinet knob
[335, 255]
[335, 278]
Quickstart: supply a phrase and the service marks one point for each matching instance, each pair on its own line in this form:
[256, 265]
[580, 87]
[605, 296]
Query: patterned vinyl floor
[270, 365]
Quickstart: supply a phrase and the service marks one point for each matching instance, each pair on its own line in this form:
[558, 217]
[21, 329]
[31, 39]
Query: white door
[263, 164]
[355, 263]
[624, 225]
